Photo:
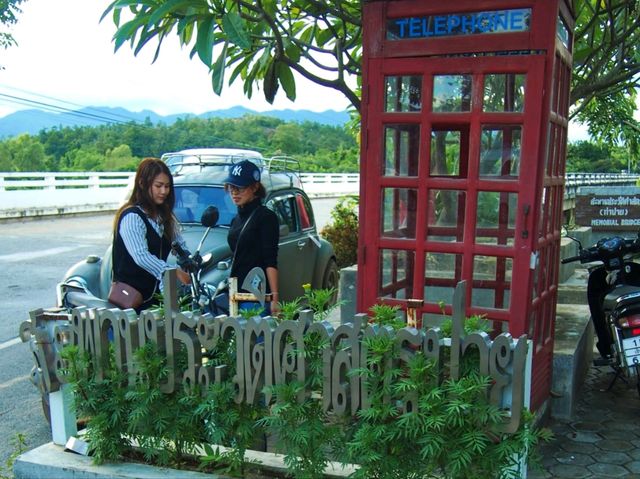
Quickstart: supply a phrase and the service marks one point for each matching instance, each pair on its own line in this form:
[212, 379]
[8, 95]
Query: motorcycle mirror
[210, 216]
[565, 233]
[206, 258]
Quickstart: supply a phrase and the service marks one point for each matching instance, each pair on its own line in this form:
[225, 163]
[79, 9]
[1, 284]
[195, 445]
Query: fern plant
[235, 426]
[419, 427]
[305, 434]
[102, 402]
[163, 424]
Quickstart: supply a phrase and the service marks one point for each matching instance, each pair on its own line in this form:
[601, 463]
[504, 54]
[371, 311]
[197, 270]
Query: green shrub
[342, 231]
[419, 426]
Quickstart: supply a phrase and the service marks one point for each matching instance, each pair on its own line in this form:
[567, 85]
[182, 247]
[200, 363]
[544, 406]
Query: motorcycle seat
[78, 298]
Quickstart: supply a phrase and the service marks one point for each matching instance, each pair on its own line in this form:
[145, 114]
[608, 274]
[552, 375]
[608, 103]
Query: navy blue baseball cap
[242, 174]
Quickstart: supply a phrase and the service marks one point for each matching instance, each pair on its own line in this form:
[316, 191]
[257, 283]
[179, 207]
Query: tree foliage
[9, 10]
[589, 157]
[606, 69]
[262, 43]
[318, 148]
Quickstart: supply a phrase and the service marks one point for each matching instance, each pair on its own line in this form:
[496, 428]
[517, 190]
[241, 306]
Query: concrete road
[35, 255]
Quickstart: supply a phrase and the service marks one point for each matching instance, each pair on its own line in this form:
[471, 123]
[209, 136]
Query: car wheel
[331, 279]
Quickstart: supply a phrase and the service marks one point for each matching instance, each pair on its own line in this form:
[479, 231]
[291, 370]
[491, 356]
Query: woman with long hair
[143, 230]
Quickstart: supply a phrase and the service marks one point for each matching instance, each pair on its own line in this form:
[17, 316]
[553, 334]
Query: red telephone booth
[464, 129]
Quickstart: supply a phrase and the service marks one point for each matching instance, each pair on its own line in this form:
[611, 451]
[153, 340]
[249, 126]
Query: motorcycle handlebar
[570, 259]
[185, 261]
[179, 250]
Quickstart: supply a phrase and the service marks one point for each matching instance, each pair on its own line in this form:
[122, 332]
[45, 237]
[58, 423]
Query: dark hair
[261, 192]
[148, 170]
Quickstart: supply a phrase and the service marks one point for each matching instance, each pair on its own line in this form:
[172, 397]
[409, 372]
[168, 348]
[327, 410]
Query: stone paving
[602, 440]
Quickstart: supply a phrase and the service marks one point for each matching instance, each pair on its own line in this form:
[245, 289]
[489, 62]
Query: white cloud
[65, 53]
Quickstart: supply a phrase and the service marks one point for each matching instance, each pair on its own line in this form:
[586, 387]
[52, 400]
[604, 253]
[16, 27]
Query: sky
[65, 53]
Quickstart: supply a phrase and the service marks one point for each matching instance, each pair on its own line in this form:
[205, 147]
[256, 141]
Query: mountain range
[32, 121]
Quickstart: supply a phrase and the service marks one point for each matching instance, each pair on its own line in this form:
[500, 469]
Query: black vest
[125, 269]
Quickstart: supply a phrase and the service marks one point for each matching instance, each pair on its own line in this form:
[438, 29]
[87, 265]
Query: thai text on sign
[269, 353]
[608, 212]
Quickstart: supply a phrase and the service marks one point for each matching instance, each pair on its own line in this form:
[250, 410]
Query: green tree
[5, 158]
[9, 10]
[606, 70]
[589, 157]
[27, 154]
[120, 159]
[86, 158]
[262, 43]
[288, 138]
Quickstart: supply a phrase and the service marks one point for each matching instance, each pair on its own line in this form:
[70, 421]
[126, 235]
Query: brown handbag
[124, 296]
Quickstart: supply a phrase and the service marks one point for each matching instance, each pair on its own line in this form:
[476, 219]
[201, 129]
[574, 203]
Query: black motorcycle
[613, 293]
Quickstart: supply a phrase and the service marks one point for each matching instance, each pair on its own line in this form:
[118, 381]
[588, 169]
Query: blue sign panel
[500, 21]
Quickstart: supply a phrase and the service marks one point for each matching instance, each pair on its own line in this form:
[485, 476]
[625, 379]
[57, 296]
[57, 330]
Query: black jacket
[258, 245]
[125, 268]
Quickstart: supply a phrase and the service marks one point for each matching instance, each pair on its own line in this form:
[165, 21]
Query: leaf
[323, 36]
[165, 8]
[270, 82]
[217, 71]
[204, 41]
[126, 32]
[233, 26]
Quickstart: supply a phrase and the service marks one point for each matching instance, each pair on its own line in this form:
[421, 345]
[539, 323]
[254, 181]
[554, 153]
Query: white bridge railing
[54, 193]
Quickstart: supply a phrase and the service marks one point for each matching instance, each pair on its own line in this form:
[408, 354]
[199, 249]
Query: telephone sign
[474, 23]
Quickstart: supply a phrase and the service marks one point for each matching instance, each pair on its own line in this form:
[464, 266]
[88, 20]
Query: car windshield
[191, 201]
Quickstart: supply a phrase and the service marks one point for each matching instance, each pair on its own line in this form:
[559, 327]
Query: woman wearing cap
[254, 231]
[143, 230]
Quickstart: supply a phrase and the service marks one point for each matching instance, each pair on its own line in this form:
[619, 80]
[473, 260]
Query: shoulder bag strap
[244, 226]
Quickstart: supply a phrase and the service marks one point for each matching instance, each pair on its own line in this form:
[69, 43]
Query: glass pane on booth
[403, 93]
[401, 149]
[500, 149]
[442, 272]
[446, 153]
[496, 217]
[491, 282]
[504, 92]
[451, 93]
[396, 273]
[446, 215]
[399, 212]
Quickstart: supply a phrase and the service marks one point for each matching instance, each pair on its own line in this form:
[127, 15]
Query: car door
[296, 253]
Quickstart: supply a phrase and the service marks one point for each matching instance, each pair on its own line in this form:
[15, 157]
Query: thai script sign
[609, 212]
[473, 23]
[269, 353]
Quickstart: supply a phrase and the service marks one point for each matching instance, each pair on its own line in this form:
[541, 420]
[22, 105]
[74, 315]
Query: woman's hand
[184, 277]
[274, 305]
[275, 308]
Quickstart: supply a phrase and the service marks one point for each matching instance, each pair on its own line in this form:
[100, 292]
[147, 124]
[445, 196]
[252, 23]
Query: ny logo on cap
[237, 170]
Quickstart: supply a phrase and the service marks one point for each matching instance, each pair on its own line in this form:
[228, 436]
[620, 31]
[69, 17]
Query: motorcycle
[613, 293]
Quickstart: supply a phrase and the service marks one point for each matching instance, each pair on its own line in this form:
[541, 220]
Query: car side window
[305, 211]
[285, 210]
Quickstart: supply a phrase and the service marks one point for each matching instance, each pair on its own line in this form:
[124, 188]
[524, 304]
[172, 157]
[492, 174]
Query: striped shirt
[134, 235]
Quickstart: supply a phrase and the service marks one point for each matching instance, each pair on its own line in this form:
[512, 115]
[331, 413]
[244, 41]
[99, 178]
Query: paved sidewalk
[602, 440]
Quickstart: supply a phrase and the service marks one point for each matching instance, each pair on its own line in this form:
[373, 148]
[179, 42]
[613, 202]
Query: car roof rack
[284, 164]
[209, 157]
